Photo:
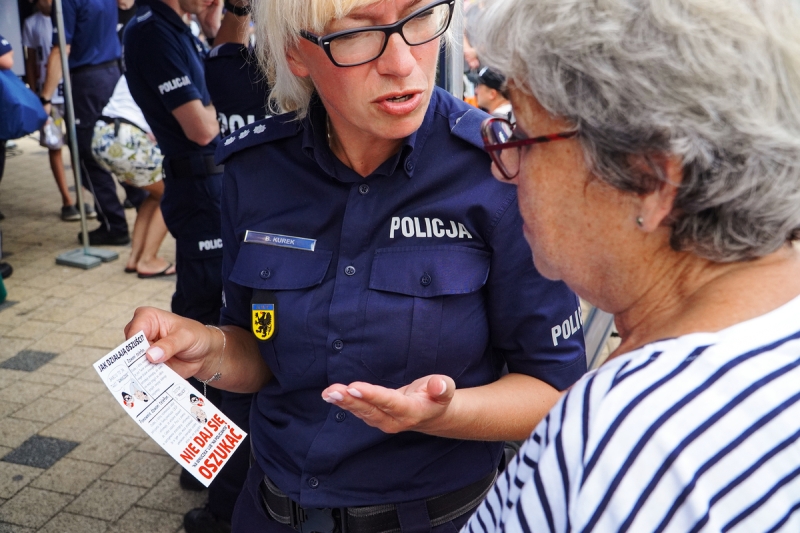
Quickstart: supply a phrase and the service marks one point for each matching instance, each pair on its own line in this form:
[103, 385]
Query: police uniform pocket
[293, 277]
[426, 308]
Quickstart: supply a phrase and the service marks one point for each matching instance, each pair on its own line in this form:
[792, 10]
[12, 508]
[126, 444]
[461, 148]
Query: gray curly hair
[277, 26]
[715, 82]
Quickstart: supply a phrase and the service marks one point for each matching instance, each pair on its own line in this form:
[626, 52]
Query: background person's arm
[7, 60]
[198, 122]
[31, 70]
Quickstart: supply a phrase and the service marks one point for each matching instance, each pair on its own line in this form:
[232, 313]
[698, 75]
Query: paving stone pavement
[71, 460]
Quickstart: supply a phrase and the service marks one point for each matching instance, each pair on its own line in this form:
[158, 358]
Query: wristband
[236, 10]
[44, 100]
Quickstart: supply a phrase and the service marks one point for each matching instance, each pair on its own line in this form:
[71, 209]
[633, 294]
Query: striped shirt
[696, 433]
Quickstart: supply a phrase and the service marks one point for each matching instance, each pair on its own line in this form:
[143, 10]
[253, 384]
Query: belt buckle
[312, 520]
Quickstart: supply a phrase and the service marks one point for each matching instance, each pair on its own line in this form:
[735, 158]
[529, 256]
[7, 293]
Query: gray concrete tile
[8, 408]
[126, 426]
[148, 445]
[13, 528]
[168, 495]
[106, 339]
[138, 520]
[57, 368]
[69, 476]
[93, 384]
[140, 469]
[9, 377]
[45, 378]
[23, 392]
[28, 360]
[40, 452]
[14, 431]
[68, 394]
[94, 501]
[74, 427]
[105, 448]
[33, 329]
[56, 341]
[33, 507]
[11, 346]
[73, 523]
[46, 410]
[14, 478]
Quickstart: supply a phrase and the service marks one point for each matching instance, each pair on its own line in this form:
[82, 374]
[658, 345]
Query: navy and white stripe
[697, 433]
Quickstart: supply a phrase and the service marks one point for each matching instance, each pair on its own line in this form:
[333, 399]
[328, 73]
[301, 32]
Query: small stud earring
[640, 222]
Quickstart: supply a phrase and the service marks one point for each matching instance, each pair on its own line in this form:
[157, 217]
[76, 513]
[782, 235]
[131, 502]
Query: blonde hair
[277, 26]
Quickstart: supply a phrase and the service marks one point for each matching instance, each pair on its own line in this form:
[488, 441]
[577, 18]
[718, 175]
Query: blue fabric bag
[21, 112]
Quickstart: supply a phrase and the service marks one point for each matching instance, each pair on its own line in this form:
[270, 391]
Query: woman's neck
[694, 295]
[360, 151]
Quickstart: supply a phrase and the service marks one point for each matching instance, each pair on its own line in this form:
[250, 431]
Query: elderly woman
[379, 296]
[669, 195]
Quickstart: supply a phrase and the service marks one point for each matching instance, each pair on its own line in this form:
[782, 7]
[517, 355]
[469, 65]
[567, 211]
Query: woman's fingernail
[355, 393]
[156, 354]
[444, 387]
[333, 397]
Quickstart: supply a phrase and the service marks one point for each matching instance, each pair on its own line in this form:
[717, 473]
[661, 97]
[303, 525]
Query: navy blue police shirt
[90, 28]
[164, 68]
[420, 268]
[238, 89]
[5, 46]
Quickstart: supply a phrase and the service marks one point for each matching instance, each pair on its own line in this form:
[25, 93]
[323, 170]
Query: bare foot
[157, 265]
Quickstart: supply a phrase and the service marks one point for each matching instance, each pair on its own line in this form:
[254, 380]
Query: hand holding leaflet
[179, 418]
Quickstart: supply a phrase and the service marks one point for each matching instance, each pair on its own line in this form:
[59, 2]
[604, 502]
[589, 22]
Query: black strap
[200, 166]
[87, 68]
[372, 518]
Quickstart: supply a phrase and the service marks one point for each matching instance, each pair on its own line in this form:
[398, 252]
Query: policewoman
[164, 67]
[379, 295]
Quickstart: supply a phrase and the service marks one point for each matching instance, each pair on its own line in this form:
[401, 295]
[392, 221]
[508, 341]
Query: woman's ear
[656, 205]
[296, 63]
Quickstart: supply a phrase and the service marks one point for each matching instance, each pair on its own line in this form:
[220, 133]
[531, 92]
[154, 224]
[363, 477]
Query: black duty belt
[193, 166]
[372, 518]
[116, 121]
[99, 66]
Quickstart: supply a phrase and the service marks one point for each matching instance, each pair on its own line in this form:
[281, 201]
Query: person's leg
[57, 166]
[153, 232]
[92, 89]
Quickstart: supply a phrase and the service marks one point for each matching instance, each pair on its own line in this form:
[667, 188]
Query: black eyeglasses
[349, 48]
[498, 140]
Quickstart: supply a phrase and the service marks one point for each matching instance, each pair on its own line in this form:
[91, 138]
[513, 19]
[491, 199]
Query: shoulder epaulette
[466, 125]
[266, 130]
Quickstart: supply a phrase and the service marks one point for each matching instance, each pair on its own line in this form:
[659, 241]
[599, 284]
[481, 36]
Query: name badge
[284, 241]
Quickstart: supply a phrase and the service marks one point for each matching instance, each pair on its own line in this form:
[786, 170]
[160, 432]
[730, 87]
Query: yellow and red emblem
[263, 321]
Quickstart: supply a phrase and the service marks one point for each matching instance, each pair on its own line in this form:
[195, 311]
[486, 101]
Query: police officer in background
[492, 95]
[94, 51]
[164, 67]
[238, 89]
[377, 283]
[239, 94]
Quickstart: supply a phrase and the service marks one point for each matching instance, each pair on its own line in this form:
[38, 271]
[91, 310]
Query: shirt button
[265, 273]
[409, 166]
[338, 345]
[350, 270]
[425, 280]
[363, 188]
[340, 416]
[313, 482]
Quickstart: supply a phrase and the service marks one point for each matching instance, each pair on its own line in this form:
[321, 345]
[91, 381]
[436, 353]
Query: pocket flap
[429, 271]
[273, 268]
